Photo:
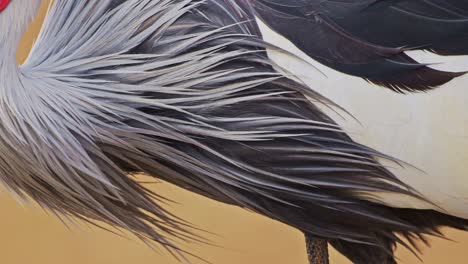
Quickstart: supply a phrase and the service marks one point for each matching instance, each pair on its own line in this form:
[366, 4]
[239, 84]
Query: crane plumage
[374, 45]
[185, 91]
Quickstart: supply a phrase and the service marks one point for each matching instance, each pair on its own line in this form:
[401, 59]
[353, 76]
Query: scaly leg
[317, 249]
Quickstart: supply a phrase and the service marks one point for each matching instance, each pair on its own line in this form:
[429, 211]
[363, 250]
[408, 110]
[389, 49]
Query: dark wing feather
[295, 165]
[367, 38]
[196, 101]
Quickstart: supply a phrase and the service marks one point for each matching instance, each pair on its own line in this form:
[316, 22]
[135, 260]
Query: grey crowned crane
[219, 97]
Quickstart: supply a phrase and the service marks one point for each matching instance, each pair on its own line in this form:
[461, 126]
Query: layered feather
[369, 38]
[184, 91]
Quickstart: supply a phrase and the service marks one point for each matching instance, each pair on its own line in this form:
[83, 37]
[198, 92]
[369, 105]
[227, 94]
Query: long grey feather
[184, 91]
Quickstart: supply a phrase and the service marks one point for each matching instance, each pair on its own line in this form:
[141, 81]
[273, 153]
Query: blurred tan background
[30, 235]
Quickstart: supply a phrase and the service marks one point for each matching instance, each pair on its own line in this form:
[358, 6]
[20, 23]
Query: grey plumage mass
[183, 90]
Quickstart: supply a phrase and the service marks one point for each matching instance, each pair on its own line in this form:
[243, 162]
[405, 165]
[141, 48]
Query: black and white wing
[183, 90]
[369, 38]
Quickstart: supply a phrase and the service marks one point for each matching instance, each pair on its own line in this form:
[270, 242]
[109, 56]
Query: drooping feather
[184, 91]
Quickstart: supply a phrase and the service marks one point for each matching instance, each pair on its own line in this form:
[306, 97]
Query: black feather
[368, 38]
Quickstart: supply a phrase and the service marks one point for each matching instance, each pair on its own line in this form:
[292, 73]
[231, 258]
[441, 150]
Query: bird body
[191, 92]
[425, 130]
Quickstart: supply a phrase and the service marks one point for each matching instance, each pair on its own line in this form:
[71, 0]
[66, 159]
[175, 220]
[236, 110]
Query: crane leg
[317, 249]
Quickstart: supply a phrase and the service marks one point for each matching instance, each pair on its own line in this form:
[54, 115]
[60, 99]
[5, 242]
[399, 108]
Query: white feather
[427, 130]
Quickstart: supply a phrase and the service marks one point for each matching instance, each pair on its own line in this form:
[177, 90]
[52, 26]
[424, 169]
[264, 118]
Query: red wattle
[3, 4]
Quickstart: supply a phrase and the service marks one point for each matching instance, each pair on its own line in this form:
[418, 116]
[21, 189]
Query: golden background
[30, 235]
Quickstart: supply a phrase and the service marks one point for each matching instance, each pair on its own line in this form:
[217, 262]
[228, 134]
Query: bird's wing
[369, 38]
[184, 90]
